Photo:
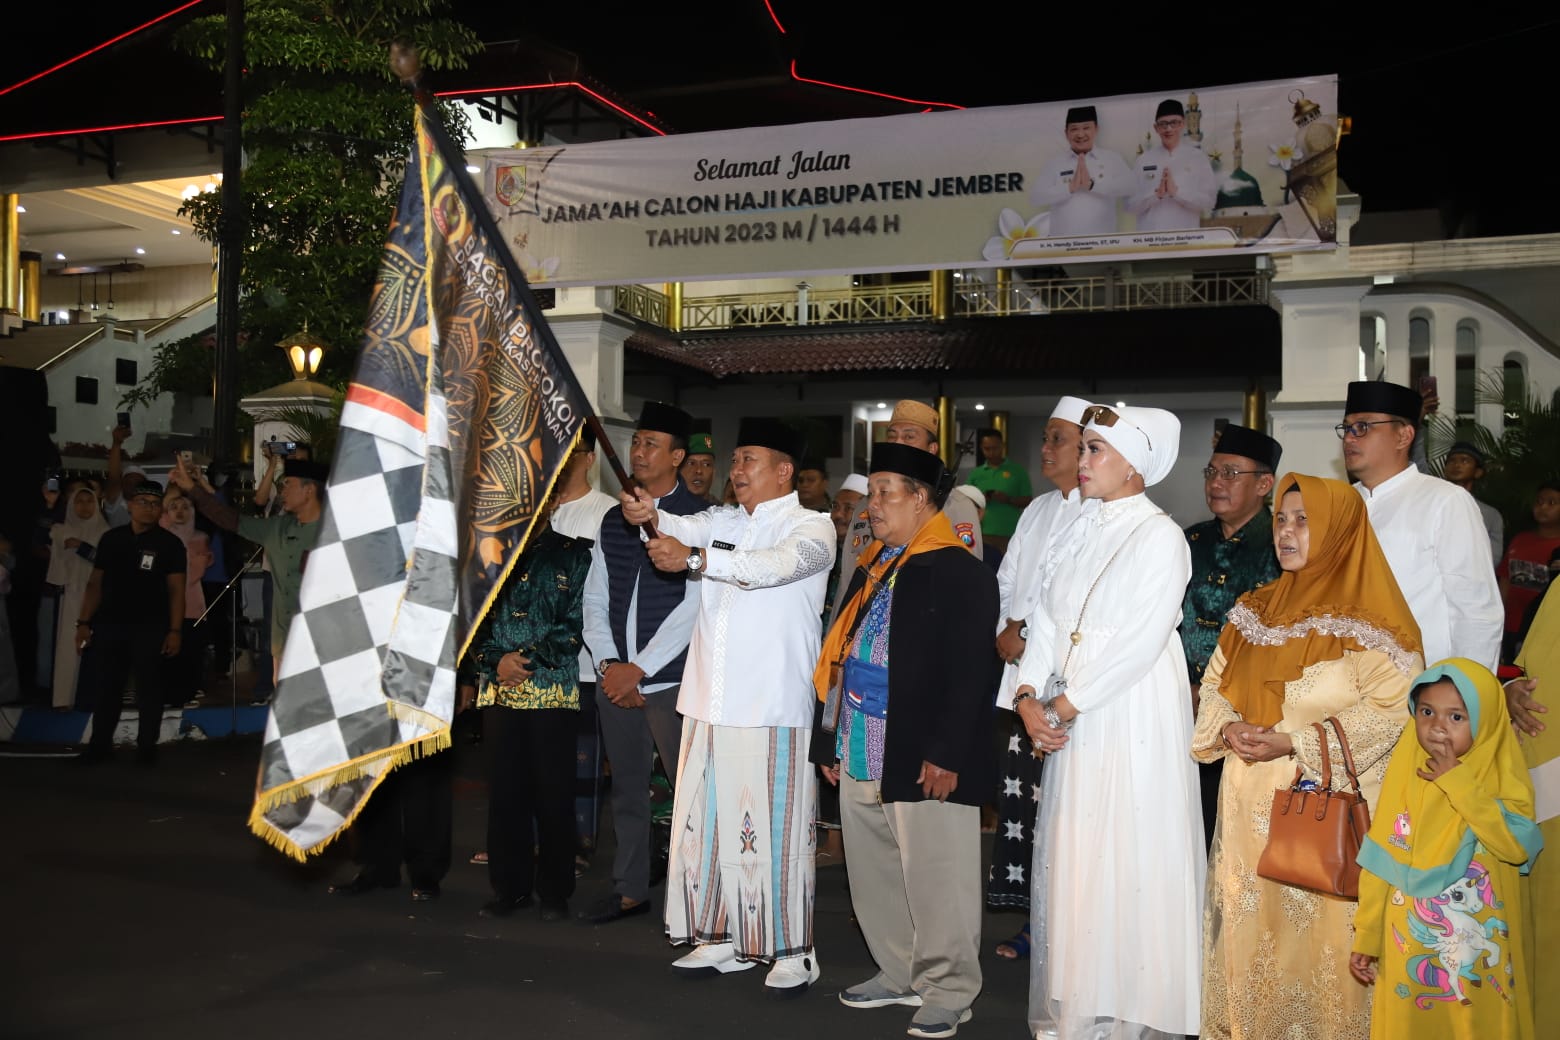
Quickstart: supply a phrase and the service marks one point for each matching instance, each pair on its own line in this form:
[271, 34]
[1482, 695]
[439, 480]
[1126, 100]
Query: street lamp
[303, 350]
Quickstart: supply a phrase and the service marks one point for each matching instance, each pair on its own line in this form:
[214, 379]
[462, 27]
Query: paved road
[138, 905]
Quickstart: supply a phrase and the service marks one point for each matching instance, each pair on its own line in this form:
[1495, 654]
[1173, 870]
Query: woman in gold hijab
[1332, 636]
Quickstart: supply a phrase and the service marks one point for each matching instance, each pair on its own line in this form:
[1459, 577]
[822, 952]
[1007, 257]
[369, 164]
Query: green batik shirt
[540, 613]
[1010, 478]
[1223, 569]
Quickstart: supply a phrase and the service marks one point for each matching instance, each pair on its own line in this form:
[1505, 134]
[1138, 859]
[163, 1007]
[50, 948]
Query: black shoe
[361, 883]
[555, 910]
[610, 908]
[504, 907]
[425, 893]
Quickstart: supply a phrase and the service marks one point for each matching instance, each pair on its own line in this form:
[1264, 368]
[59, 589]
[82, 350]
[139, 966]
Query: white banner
[1250, 167]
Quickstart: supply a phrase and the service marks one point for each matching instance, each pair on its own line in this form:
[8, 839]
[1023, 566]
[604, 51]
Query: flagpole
[406, 67]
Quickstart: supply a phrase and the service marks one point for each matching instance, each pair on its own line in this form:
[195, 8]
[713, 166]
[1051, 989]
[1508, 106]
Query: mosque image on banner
[1250, 167]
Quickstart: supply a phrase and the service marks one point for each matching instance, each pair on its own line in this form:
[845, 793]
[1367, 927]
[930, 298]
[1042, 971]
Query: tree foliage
[327, 133]
[1524, 455]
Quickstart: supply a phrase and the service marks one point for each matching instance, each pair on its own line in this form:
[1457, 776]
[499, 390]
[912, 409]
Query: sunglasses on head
[1101, 415]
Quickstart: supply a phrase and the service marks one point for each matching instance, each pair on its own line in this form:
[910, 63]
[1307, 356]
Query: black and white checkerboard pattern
[376, 625]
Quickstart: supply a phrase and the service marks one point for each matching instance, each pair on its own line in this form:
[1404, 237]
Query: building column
[674, 306]
[942, 295]
[946, 434]
[31, 285]
[593, 345]
[10, 255]
[1321, 336]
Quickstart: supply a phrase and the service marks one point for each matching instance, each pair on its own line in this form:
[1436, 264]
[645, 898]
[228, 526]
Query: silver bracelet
[1052, 717]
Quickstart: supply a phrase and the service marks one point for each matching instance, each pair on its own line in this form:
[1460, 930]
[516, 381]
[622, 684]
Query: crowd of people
[1128, 696]
[131, 566]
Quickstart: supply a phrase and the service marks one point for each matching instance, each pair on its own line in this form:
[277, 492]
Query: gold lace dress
[1275, 957]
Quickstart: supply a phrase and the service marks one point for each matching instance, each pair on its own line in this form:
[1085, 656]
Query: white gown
[1119, 863]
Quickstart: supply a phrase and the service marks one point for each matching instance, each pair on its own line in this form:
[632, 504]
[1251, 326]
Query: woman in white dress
[72, 545]
[1119, 856]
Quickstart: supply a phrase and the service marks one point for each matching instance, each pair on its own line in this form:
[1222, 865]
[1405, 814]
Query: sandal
[479, 859]
[1016, 948]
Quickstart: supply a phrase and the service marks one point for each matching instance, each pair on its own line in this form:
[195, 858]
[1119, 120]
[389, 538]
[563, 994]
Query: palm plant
[314, 428]
[1524, 455]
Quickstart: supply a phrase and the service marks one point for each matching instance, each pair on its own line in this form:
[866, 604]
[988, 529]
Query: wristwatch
[1023, 633]
[603, 665]
[695, 561]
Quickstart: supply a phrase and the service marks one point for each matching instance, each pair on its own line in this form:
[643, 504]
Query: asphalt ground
[139, 905]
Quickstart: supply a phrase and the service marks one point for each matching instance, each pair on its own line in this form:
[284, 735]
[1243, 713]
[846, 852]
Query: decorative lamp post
[303, 350]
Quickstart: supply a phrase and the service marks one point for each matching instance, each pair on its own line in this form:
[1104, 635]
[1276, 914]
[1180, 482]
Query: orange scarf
[1345, 576]
[935, 533]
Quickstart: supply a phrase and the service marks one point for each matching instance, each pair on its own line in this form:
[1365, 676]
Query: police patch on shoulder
[966, 533]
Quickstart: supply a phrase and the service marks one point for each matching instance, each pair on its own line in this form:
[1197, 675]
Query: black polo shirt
[135, 575]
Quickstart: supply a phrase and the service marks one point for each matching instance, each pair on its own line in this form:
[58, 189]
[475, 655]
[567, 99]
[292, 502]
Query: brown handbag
[1314, 836]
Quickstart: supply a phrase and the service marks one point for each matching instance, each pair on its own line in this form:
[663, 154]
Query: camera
[281, 449]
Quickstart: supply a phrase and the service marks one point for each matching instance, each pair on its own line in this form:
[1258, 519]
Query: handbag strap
[1343, 746]
[1321, 739]
[1076, 636]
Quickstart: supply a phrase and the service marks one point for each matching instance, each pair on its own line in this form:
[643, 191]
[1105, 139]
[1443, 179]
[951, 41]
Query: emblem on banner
[509, 185]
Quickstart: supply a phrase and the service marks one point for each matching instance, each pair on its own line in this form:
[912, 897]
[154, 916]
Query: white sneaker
[710, 960]
[791, 976]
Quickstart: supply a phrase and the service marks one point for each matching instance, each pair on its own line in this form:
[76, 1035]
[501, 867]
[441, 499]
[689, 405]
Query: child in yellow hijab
[1440, 897]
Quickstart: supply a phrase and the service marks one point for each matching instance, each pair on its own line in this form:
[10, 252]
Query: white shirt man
[745, 784]
[1082, 187]
[1429, 529]
[1175, 180]
[1019, 574]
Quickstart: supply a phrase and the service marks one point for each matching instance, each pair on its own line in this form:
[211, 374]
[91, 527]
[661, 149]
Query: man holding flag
[740, 884]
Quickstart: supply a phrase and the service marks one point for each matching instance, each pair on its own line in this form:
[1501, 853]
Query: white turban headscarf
[1071, 409]
[1148, 438]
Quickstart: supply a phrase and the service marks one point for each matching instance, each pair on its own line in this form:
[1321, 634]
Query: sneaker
[709, 960]
[791, 976]
[876, 992]
[936, 1021]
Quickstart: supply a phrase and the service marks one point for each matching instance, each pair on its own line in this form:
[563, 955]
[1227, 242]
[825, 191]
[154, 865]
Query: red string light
[774, 17]
[106, 43]
[582, 88]
[109, 129]
[873, 93]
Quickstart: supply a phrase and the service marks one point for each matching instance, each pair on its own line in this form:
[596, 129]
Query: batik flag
[459, 416]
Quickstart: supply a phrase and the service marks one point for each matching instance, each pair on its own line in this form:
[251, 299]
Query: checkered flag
[459, 417]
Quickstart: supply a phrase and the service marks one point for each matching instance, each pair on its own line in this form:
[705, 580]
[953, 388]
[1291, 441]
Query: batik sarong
[742, 866]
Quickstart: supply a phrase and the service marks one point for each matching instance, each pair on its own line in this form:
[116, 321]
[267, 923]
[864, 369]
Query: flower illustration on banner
[1284, 156]
[1013, 229]
[535, 269]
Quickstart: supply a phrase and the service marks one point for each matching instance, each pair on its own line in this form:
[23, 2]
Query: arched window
[1515, 380]
[1467, 366]
[1418, 348]
[1373, 345]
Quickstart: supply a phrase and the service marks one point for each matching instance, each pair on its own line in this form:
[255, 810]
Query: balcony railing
[975, 294]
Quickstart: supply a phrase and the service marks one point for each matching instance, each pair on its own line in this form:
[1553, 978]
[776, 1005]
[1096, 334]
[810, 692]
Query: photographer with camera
[276, 455]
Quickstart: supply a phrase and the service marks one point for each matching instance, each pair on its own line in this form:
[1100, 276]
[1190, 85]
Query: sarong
[742, 857]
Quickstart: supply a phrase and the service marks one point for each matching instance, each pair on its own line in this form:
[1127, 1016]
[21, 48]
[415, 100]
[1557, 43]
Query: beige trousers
[915, 884]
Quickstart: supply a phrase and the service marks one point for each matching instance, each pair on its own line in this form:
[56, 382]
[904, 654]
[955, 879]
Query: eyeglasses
[1360, 427]
[1229, 472]
[1168, 124]
[1101, 415]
